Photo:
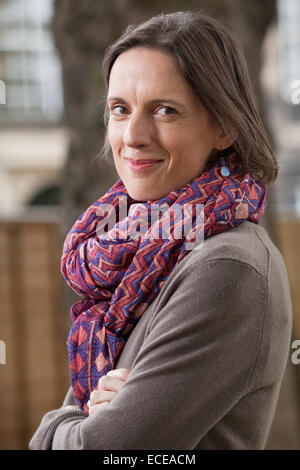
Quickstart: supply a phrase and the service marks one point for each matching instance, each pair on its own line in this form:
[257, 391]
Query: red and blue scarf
[119, 274]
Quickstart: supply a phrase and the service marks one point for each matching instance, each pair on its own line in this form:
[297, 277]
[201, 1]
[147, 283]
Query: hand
[108, 387]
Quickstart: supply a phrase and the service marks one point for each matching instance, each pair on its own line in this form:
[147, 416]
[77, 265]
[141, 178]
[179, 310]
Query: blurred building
[33, 147]
[281, 80]
[33, 139]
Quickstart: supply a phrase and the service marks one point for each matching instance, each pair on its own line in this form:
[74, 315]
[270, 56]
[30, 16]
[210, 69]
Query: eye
[167, 110]
[118, 109]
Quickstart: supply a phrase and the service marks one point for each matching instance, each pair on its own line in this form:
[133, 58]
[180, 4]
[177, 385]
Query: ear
[225, 140]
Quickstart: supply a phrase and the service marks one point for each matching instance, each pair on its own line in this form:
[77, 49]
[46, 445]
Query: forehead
[147, 70]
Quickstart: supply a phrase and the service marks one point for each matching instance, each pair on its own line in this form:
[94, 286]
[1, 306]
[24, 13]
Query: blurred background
[51, 134]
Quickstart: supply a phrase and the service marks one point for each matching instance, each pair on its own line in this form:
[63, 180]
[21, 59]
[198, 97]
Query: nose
[137, 132]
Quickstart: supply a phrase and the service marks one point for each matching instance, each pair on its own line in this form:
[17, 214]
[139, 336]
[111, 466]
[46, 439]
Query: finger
[110, 383]
[100, 396]
[94, 408]
[121, 373]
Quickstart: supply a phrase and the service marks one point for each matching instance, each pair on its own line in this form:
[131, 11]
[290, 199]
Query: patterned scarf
[119, 271]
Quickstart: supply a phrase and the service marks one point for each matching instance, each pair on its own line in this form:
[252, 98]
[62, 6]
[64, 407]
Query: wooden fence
[288, 231]
[33, 321]
[35, 376]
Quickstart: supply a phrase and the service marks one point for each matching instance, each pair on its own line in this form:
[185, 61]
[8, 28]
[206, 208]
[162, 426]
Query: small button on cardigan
[207, 357]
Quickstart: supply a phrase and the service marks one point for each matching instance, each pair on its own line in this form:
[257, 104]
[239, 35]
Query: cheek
[173, 140]
[114, 134]
[188, 146]
[178, 142]
[201, 138]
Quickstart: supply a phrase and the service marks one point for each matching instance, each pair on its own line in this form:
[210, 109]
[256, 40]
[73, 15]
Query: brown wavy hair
[214, 65]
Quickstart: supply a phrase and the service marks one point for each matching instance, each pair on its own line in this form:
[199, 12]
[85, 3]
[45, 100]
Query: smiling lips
[142, 164]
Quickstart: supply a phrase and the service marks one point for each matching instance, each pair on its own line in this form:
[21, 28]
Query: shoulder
[241, 267]
[248, 244]
[239, 273]
[226, 277]
[246, 247]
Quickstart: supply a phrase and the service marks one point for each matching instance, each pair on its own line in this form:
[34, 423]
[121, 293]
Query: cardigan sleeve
[196, 362]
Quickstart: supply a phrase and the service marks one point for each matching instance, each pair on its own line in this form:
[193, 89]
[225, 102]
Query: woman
[180, 341]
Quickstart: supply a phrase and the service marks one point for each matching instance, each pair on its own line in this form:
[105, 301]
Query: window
[29, 65]
[289, 46]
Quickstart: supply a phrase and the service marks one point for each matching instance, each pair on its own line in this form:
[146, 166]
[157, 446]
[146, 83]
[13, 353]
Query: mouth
[142, 164]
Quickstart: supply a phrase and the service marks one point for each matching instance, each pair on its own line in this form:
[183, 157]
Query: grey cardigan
[207, 357]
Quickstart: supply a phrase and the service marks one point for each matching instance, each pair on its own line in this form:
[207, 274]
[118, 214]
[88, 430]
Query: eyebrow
[155, 101]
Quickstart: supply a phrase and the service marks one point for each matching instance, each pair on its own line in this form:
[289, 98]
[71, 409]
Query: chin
[135, 192]
[139, 197]
[142, 196]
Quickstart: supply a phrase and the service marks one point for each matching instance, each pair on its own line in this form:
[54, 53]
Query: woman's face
[154, 115]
